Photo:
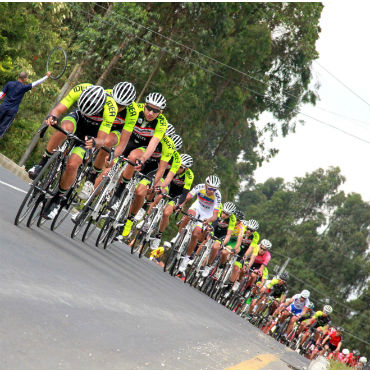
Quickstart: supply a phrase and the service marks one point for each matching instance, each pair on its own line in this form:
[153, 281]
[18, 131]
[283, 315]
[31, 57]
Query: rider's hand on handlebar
[90, 142]
[51, 120]
[139, 165]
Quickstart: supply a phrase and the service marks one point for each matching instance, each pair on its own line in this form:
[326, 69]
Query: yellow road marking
[255, 363]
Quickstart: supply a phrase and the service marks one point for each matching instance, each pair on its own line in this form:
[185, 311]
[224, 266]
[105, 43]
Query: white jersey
[298, 304]
[205, 201]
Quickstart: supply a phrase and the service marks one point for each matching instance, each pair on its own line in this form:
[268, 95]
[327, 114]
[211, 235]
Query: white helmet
[266, 243]
[245, 223]
[177, 141]
[124, 93]
[252, 224]
[363, 360]
[345, 351]
[229, 208]
[186, 160]
[170, 130]
[305, 293]
[156, 99]
[213, 181]
[91, 100]
[327, 309]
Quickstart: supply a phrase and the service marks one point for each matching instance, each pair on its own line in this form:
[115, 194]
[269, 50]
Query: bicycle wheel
[36, 211]
[100, 240]
[56, 62]
[63, 212]
[95, 198]
[138, 242]
[37, 187]
[170, 259]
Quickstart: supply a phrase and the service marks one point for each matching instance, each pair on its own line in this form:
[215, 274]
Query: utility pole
[282, 268]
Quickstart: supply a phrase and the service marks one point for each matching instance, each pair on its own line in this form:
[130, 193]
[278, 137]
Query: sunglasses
[227, 214]
[154, 110]
[264, 249]
[211, 189]
[251, 230]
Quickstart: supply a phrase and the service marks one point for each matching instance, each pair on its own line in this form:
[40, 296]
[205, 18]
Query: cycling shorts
[82, 127]
[201, 212]
[294, 310]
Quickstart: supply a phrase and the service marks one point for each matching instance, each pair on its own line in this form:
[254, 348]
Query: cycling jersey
[276, 289]
[157, 253]
[297, 304]
[126, 118]
[262, 259]
[104, 119]
[205, 201]
[182, 181]
[248, 240]
[321, 320]
[142, 130]
[335, 339]
[222, 226]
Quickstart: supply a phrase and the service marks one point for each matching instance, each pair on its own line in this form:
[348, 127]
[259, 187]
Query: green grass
[335, 365]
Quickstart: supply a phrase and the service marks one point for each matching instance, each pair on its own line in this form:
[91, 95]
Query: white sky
[344, 48]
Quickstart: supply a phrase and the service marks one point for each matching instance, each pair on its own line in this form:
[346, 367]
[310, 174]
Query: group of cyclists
[227, 242]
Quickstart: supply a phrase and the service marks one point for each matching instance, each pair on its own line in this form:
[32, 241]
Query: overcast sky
[344, 48]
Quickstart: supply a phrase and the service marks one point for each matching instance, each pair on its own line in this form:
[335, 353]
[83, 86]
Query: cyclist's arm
[239, 241]
[161, 168]
[120, 148]
[176, 163]
[213, 218]
[325, 340]
[227, 237]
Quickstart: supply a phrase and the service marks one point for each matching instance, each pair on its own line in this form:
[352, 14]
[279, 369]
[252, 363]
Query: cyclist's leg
[69, 123]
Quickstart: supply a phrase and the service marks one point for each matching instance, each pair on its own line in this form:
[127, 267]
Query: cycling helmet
[356, 352]
[245, 223]
[311, 305]
[345, 351]
[124, 93]
[305, 293]
[186, 160]
[229, 208]
[327, 309]
[266, 243]
[363, 360]
[177, 141]
[284, 276]
[239, 215]
[170, 130]
[91, 100]
[213, 181]
[253, 224]
[156, 99]
[339, 328]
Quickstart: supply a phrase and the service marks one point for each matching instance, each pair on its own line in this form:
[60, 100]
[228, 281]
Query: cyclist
[222, 229]
[232, 247]
[178, 189]
[276, 289]
[333, 343]
[260, 261]
[296, 305]
[155, 167]
[95, 114]
[206, 207]
[318, 323]
[124, 94]
[248, 247]
[147, 133]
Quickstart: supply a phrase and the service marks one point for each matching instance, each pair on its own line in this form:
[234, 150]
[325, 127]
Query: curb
[7, 163]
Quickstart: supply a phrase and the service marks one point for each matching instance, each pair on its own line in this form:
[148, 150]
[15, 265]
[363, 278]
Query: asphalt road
[69, 305]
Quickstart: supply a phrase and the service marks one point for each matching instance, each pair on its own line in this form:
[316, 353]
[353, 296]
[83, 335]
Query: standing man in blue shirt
[13, 92]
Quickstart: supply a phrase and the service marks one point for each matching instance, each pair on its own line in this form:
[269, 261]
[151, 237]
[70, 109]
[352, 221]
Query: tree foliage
[326, 235]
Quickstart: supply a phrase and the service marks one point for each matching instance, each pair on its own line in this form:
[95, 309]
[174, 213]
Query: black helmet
[284, 276]
[239, 214]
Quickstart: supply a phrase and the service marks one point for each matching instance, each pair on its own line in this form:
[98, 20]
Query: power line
[342, 83]
[212, 59]
[189, 61]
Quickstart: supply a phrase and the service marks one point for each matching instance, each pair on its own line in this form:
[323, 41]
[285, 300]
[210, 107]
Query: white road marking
[13, 187]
